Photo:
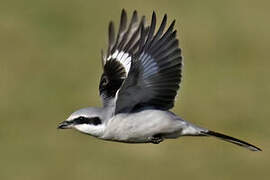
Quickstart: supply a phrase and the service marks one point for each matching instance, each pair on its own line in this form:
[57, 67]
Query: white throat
[93, 130]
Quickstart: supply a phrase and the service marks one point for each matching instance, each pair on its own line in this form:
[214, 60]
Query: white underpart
[191, 130]
[123, 58]
[94, 130]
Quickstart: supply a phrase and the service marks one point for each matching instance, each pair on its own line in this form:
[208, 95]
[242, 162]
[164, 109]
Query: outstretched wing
[155, 72]
[117, 61]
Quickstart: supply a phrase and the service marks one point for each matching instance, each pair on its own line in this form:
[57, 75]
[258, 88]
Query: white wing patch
[123, 58]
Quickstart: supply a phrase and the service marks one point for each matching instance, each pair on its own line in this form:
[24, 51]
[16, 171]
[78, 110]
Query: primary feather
[155, 73]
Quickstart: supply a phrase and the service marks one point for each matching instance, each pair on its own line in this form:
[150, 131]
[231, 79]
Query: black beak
[64, 125]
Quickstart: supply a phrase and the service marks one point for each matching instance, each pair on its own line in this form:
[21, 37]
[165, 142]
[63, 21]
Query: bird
[142, 72]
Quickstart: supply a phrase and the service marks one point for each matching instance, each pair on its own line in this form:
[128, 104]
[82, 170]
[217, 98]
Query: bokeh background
[50, 66]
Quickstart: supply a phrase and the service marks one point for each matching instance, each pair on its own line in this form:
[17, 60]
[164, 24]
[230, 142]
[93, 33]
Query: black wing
[117, 61]
[155, 72]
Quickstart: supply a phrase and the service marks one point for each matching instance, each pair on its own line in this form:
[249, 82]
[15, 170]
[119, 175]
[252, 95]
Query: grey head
[89, 120]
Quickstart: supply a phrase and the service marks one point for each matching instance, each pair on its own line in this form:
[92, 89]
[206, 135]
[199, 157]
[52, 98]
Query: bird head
[88, 120]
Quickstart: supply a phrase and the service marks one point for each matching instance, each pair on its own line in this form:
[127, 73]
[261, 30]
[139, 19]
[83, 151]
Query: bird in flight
[142, 71]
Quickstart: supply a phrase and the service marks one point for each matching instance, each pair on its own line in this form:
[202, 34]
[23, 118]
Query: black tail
[232, 140]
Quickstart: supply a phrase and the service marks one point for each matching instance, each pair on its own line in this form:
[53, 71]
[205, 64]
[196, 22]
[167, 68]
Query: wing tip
[154, 15]
[111, 34]
[111, 27]
[123, 12]
[135, 12]
[173, 23]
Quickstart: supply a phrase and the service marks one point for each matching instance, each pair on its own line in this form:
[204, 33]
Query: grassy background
[50, 66]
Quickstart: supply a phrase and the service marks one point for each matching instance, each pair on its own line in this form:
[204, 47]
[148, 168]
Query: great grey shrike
[142, 71]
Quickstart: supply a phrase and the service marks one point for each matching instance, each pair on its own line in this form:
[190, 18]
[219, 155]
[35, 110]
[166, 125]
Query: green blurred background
[50, 66]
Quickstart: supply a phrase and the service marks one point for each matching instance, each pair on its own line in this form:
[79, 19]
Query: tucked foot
[156, 139]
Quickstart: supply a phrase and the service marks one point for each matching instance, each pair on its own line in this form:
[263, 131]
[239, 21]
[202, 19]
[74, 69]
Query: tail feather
[232, 140]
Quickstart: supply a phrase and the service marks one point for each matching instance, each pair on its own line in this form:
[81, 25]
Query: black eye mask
[84, 120]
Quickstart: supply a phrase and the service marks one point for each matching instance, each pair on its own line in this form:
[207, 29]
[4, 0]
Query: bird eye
[80, 120]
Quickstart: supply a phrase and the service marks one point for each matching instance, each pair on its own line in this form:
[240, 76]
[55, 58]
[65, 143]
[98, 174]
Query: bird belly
[140, 127]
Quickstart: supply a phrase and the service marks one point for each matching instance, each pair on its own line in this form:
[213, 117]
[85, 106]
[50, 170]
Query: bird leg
[156, 139]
